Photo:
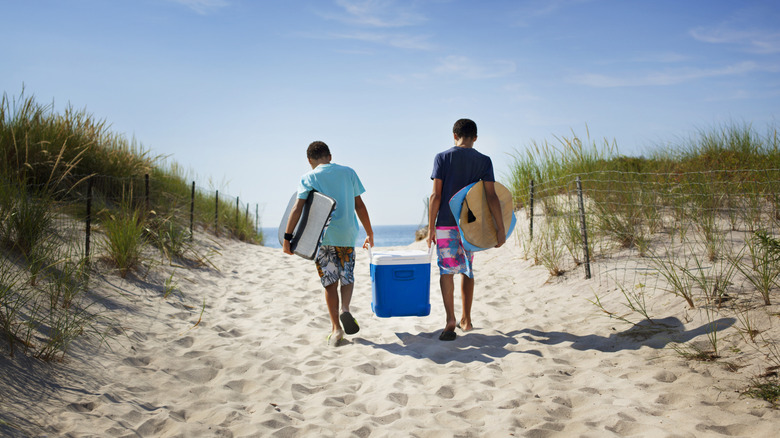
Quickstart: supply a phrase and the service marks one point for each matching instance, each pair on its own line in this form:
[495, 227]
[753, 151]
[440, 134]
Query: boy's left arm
[495, 209]
[434, 204]
[362, 214]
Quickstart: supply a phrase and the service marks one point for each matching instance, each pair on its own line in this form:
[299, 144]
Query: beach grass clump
[572, 237]
[14, 297]
[549, 249]
[692, 351]
[763, 268]
[61, 327]
[124, 239]
[549, 165]
[674, 271]
[172, 239]
[27, 220]
[43, 319]
[68, 277]
[622, 220]
[767, 389]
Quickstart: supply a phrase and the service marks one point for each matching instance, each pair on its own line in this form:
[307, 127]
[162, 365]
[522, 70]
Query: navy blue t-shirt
[458, 167]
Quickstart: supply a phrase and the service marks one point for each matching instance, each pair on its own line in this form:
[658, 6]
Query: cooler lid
[405, 257]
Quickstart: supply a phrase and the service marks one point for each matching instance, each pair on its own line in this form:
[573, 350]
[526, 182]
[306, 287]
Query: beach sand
[541, 361]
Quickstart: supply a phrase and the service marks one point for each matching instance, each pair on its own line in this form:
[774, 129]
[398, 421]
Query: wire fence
[695, 235]
[77, 211]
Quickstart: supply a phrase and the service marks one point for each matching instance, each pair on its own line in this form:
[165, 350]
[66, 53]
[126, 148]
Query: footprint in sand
[445, 392]
[665, 376]
[387, 419]
[82, 407]
[234, 333]
[141, 361]
[237, 385]
[200, 375]
[366, 368]
[627, 425]
[398, 398]
[185, 342]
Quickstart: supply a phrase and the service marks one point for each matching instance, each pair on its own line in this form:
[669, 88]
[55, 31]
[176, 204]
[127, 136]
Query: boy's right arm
[295, 216]
[494, 205]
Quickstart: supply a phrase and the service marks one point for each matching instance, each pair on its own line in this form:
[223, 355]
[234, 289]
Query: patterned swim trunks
[336, 263]
[453, 258]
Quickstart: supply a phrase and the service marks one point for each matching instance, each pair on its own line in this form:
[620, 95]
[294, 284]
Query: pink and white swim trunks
[452, 257]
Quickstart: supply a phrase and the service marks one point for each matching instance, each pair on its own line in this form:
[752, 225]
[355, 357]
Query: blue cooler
[400, 283]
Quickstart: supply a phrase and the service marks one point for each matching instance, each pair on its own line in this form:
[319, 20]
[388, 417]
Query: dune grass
[700, 216]
[47, 160]
[124, 239]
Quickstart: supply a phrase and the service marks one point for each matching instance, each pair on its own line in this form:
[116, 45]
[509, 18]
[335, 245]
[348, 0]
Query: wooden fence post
[531, 227]
[583, 229]
[192, 209]
[216, 214]
[146, 191]
[89, 219]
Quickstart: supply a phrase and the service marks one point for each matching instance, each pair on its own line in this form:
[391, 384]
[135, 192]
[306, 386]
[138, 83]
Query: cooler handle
[403, 274]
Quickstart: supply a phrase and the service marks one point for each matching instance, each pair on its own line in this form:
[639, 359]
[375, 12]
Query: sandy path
[540, 362]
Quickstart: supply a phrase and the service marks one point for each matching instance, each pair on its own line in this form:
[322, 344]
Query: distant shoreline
[384, 235]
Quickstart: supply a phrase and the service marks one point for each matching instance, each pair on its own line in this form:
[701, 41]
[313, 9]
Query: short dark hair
[465, 128]
[317, 150]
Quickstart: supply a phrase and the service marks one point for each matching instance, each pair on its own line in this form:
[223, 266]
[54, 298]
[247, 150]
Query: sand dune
[540, 362]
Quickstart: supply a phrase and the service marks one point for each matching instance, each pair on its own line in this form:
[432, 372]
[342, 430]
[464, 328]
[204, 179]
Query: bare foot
[334, 339]
[465, 326]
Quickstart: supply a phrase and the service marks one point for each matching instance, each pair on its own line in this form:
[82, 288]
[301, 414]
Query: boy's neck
[465, 142]
[315, 163]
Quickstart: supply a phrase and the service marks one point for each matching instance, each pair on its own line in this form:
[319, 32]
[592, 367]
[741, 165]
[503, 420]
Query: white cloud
[532, 10]
[667, 77]
[457, 68]
[660, 57]
[203, 7]
[379, 22]
[753, 40]
[379, 13]
[466, 68]
[398, 40]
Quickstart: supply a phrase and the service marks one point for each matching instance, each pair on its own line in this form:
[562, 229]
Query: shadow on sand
[656, 333]
[477, 347]
[467, 348]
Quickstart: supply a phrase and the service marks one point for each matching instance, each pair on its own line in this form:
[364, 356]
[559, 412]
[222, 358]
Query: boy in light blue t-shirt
[336, 257]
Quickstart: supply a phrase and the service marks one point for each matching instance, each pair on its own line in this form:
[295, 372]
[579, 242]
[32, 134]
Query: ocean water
[384, 235]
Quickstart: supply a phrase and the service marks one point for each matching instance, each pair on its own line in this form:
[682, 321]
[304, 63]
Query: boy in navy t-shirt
[453, 170]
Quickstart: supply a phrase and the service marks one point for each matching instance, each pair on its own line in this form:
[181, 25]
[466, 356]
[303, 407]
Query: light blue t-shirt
[342, 184]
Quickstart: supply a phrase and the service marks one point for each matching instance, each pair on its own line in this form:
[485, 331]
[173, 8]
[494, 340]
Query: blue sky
[235, 90]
